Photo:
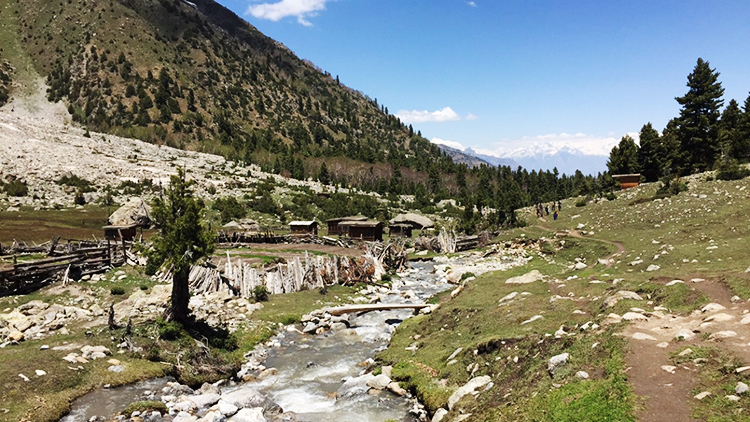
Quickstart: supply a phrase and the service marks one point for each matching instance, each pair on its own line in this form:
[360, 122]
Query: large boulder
[135, 211]
[527, 278]
[470, 387]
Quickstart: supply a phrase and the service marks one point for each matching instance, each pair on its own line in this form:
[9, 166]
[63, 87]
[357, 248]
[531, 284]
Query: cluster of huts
[136, 213]
[362, 228]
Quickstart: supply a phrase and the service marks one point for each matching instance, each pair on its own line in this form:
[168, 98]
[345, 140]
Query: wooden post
[109, 253]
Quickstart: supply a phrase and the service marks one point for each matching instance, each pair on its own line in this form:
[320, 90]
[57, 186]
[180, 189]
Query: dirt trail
[669, 396]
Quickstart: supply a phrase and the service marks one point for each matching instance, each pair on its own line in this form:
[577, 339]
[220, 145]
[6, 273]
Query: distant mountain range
[544, 156]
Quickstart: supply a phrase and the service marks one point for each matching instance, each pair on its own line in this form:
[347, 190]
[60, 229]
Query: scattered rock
[582, 375]
[40, 373]
[669, 368]
[643, 336]
[620, 295]
[720, 317]
[702, 395]
[741, 388]
[470, 388]
[674, 282]
[722, 335]
[712, 307]
[653, 267]
[634, 316]
[396, 389]
[379, 382]
[439, 415]
[529, 277]
[684, 334]
[556, 362]
[532, 319]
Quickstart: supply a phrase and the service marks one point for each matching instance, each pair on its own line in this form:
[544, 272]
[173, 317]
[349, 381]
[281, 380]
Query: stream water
[318, 376]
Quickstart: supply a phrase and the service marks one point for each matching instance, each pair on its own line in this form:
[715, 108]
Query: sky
[501, 75]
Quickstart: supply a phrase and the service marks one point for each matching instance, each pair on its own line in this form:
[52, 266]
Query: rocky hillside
[195, 76]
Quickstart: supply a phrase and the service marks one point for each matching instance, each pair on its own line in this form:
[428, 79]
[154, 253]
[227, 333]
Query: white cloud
[552, 143]
[420, 116]
[452, 144]
[302, 9]
[471, 3]
[472, 116]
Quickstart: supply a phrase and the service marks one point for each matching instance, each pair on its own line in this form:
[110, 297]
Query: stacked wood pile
[448, 242]
[25, 277]
[301, 273]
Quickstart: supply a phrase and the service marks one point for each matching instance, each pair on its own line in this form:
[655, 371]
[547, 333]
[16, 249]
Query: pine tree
[623, 159]
[323, 175]
[699, 117]
[730, 139]
[650, 154]
[182, 240]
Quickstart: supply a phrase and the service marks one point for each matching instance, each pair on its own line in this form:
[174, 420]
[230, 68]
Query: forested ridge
[196, 76]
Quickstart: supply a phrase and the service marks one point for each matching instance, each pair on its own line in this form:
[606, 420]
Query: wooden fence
[65, 261]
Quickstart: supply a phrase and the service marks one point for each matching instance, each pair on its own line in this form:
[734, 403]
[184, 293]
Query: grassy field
[701, 233]
[29, 225]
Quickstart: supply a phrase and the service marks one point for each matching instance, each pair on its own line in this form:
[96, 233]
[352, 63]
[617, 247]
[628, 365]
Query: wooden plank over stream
[348, 309]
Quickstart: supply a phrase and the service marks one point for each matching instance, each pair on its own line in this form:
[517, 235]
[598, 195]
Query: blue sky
[500, 75]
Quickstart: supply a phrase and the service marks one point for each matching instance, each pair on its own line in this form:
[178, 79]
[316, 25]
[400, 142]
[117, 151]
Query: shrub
[77, 182]
[260, 293]
[16, 188]
[117, 291]
[610, 196]
[79, 199]
[581, 202]
[169, 330]
[730, 169]
[671, 186]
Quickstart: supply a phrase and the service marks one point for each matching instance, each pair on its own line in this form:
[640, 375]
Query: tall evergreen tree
[733, 146]
[650, 154]
[699, 117]
[623, 159]
[182, 240]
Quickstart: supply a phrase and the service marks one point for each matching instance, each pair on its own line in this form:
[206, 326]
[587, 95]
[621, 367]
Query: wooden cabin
[303, 227]
[400, 230]
[120, 233]
[628, 181]
[364, 230]
[335, 226]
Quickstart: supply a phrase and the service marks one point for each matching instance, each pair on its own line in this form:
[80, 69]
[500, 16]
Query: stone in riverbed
[226, 409]
[203, 401]
[244, 397]
[248, 415]
[439, 415]
[396, 389]
[379, 382]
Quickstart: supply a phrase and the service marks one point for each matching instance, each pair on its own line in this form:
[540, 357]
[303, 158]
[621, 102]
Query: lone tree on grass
[182, 240]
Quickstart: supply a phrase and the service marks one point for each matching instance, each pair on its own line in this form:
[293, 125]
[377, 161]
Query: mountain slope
[195, 75]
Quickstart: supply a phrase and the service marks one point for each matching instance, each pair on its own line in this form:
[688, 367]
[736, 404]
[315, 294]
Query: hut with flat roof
[119, 233]
[304, 227]
[364, 230]
[335, 227]
[628, 181]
